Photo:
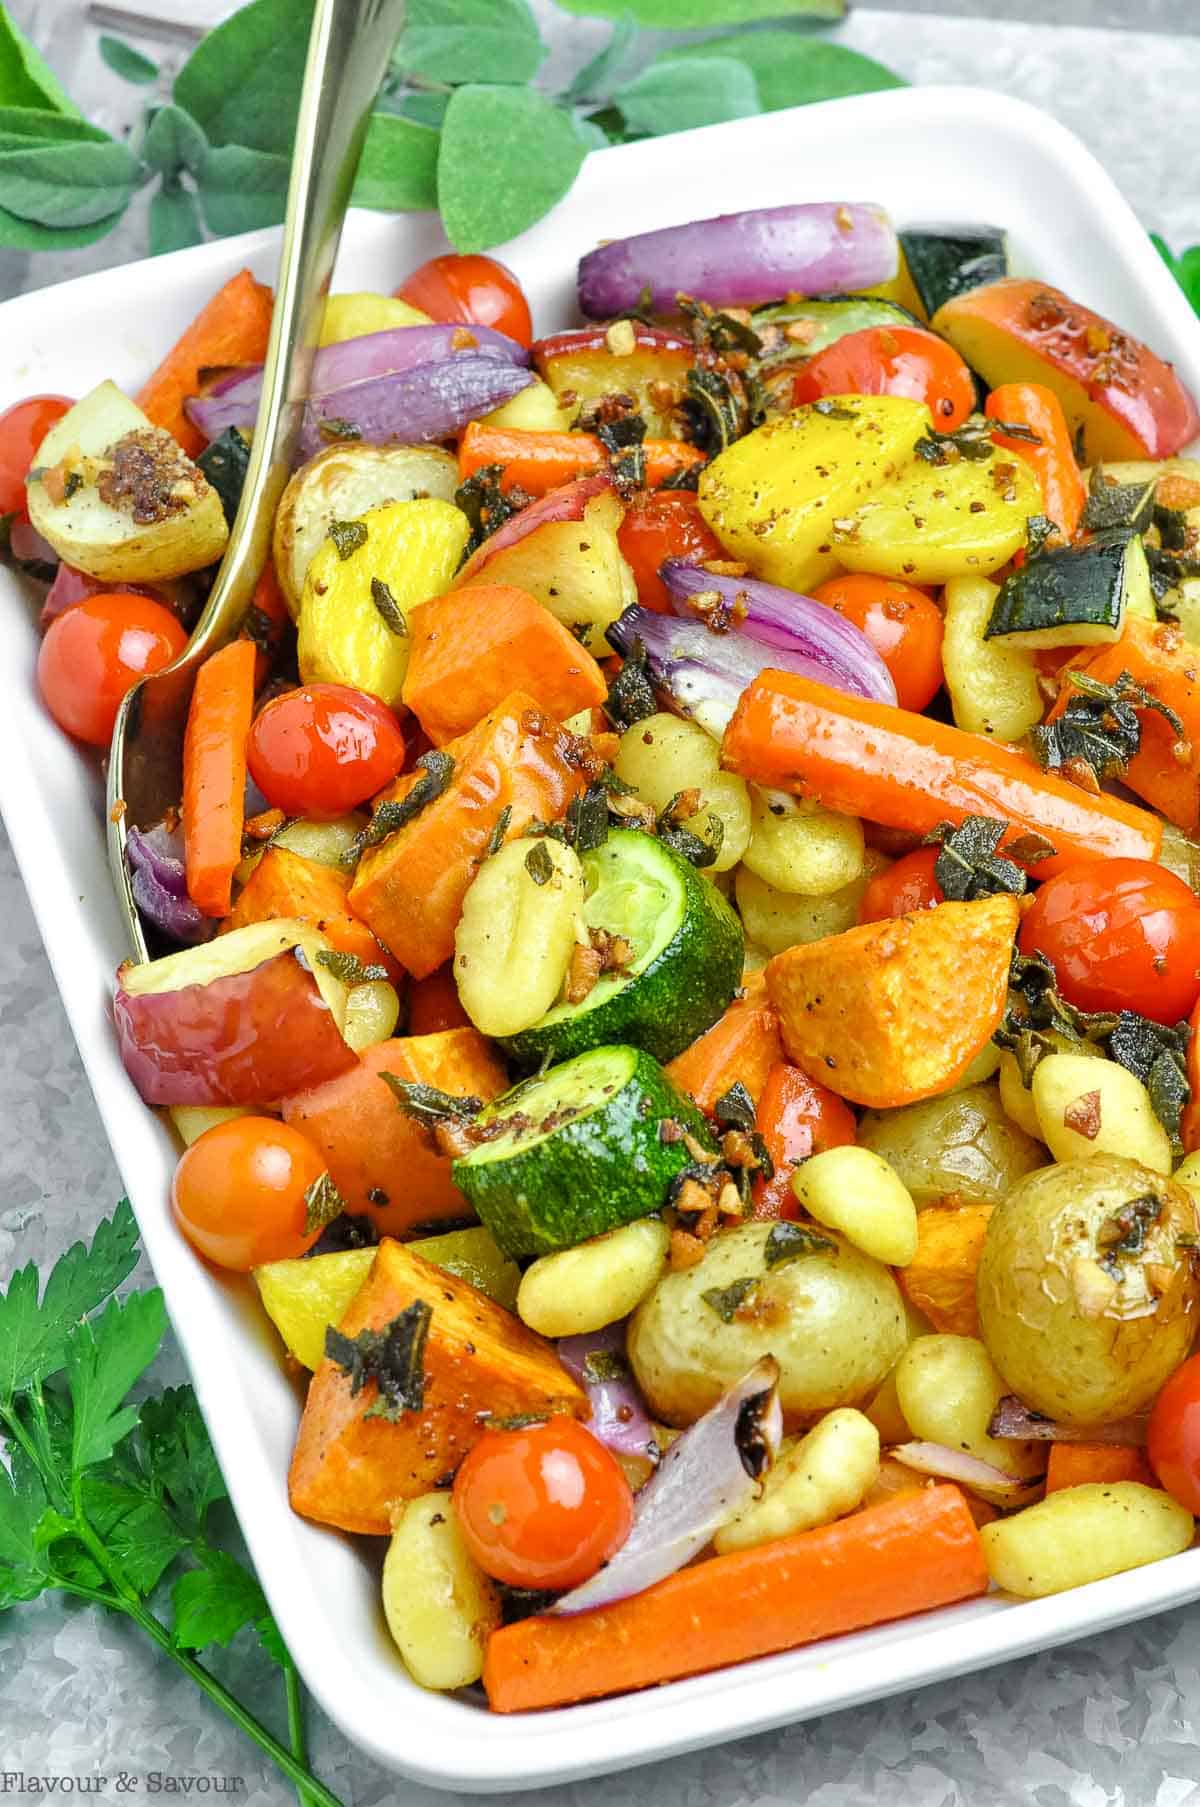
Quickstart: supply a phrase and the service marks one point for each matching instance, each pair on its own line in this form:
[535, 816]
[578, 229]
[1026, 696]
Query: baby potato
[960, 1142]
[993, 687]
[1082, 1534]
[595, 1283]
[935, 522]
[947, 1388]
[663, 756]
[362, 311]
[800, 847]
[817, 1479]
[514, 938]
[830, 1315]
[855, 1191]
[1086, 1291]
[534, 409]
[1088, 1107]
[440, 1607]
[777, 920]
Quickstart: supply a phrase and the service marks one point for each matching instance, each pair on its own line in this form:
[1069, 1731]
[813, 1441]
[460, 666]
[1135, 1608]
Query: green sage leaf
[243, 189]
[21, 125]
[398, 169]
[792, 69]
[242, 82]
[127, 62]
[65, 185]
[461, 41]
[507, 156]
[1185, 268]
[594, 81]
[174, 142]
[174, 220]
[687, 15]
[674, 94]
[425, 109]
[25, 80]
[26, 235]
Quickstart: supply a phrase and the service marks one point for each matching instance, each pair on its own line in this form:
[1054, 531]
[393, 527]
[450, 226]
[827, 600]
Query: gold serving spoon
[348, 54]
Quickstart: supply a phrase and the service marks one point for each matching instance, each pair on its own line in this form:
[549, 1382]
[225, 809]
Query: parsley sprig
[108, 1499]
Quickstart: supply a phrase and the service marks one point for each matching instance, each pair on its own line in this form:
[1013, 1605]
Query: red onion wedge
[410, 407]
[949, 1464]
[1014, 1419]
[811, 248]
[619, 1417]
[159, 884]
[706, 1476]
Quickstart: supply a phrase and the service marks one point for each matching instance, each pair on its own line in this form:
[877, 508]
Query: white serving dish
[926, 154]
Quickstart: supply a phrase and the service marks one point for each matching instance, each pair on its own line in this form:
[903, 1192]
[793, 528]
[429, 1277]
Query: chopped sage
[348, 536]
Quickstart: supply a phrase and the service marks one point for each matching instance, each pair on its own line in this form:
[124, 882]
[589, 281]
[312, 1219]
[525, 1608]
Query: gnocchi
[822, 1476]
[664, 756]
[801, 848]
[777, 920]
[440, 1607]
[1082, 1534]
[514, 938]
[947, 1388]
[855, 1191]
[595, 1283]
[1087, 1107]
[372, 1012]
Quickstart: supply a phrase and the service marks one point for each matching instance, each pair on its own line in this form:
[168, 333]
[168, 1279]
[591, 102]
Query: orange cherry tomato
[238, 1192]
[903, 625]
[907, 886]
[22, 430]
[661, 524]
[545, 1506]
[892, 360]
[478, 291]
[322, 749]
[796, 1117]
[1173, 1440]
[98, 650]
[1122, 935]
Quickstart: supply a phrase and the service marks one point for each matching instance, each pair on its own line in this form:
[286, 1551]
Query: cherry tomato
[238, 1192]
[477, 290]
[22, 430]
[1174, 1435]
[1122, 935]
[903, 625]
[323, 749]
[542, 1507]
[892, 360]
[661, 524]
[907, 886]
[97, 651]
[796, 1117]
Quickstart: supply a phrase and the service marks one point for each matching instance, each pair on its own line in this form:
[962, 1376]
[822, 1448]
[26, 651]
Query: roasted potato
[960, 1143]
[933, 522]
[993, 687]
[118, 499]
[831, 1317]
[1086, 1291]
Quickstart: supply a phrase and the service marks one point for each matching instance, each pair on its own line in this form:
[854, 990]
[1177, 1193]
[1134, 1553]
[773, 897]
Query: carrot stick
[232, 328]
[539, 462]
[214, 774]
[1075, 1464]
[1034, 406]
[907, 771]
[915, 1551]
[743, 1044]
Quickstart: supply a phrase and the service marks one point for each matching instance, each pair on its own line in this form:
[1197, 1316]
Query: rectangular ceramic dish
[927, 154]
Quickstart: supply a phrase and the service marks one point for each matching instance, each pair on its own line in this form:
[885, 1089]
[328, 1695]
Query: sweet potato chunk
[286, 884]
[410, 888]
[940, 1278]
[350, 1468]
[895, 1011]
[743, 1044]
[383, 1163]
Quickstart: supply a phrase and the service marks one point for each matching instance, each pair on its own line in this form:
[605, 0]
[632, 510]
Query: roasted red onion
[705, 1477]
[812, 248]
[410, 407]
[949, 1464]
[159, 884]
[1013, 1419]
[619, 1417]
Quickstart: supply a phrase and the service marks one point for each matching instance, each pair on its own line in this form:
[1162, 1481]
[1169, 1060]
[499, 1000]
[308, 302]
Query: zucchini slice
[688, 951]
[577, 1151]
[831, 318]
[945, 261]
[1074, 595]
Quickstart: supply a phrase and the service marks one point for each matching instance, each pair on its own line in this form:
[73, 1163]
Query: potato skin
[1062, 1346]
[961, 1143]
[833, 1319]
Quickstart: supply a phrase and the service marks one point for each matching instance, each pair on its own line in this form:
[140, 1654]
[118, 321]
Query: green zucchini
[832, 317]
[578, 1150]
[688, 951]
[945, 261]
[1074, 595]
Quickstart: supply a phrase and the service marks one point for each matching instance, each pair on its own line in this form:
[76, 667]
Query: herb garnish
[726, 1301]
[394, 1358]
[437, 770]
[712, 330]
[484, 503]
[1128, 506]
[333, 428]
[539, 864]
[1125, 1231]
[631, 695]
[322, 1203]
[495, 840]
[1099, 731]
[832, 410]
[716, 413]
[670, 830]
[623, 441]
[789, 1240]
[586, 820]
[603, 1365]
[348, 967]
[427, 1105]
[348, 537]
[1039, 530]
[973, 440]
[389, 608]
[734, 1109]
[968, 866]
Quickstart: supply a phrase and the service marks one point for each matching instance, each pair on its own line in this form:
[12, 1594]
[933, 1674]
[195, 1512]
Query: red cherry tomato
[796, 1118]
[907, 886]
[661, 524]
[542, 1507]
[903, 625]
[1122, 934]
[96, 652]
[22, 430]
[892, 360]
[238, 1192]
[1174, 1435]
[323, 749]
[479, 291]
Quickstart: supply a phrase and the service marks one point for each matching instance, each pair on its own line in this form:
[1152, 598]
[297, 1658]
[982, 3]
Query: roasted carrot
[913, 1552]
[743, 1044]
[1052, 458]
[796, 1117]
[1166, 768]
[1075, 1464]
[286, 884]
[433, 1004]
[386, 1165]
[232, 328]
[214, 774]
[908, 771]
[538, 462]
[471, 648]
